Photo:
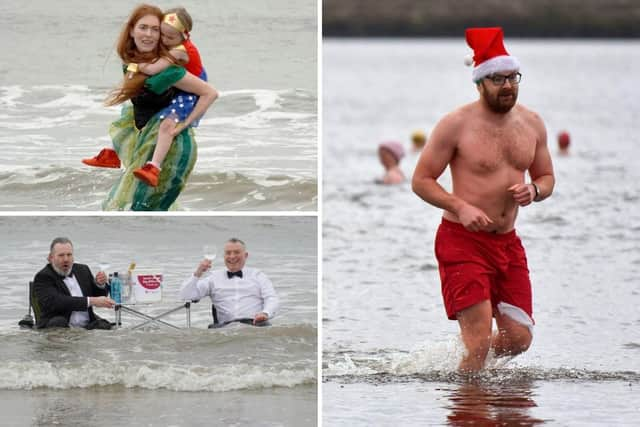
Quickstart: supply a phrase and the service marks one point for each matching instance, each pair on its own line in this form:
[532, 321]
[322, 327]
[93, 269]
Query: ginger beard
[499, 99]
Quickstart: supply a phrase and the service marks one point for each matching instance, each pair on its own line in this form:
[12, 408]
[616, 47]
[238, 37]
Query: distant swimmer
[390, 153]
[564, 141]
[238, 293]
[488, 145]
[66, 292]
[418, 140]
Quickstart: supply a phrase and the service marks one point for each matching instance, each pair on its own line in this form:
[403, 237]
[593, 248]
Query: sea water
[389, 352]
[257, 144]
[237, 375]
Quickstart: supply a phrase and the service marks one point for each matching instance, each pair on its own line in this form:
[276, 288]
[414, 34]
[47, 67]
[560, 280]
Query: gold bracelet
[132, 67]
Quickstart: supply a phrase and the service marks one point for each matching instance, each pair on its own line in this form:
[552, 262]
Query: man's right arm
[100, 291]
[434, 159]
[195, 288]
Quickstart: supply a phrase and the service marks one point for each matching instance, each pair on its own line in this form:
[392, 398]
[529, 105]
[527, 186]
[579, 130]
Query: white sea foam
[346, 366]
[64, 96]
[67, 119]
[283, 115]
[80, 99]
[257, 195]
[10, 95]
[273, 182]
[150, 375]
[253, 120]
[256, 133]
[264, 98]
[266, 102]
[439, 356]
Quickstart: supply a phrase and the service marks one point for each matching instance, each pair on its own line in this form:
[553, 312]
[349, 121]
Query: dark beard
[498, 106]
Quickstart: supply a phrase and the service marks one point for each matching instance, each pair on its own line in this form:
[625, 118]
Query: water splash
[438, 362]
[151, 375]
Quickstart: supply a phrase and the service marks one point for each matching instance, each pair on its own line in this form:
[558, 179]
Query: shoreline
[520, 18]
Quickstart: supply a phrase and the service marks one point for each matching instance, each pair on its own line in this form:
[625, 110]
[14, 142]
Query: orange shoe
[106, 158]
[148, 174]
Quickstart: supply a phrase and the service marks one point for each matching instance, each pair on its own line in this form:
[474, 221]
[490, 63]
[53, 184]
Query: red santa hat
[489, 54]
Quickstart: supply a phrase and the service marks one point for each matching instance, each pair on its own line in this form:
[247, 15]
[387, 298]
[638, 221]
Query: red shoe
[106, 158]
[148, 174]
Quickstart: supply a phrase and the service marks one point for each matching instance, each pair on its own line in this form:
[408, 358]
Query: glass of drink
[209, 253]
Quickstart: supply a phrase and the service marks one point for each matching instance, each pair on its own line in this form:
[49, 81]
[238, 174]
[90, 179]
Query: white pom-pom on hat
[468, 60]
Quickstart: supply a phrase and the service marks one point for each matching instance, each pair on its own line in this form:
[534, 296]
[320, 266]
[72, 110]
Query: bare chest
[486, 148]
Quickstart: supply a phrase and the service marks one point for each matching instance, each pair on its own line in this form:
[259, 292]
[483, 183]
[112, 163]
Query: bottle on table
[129, 284]
[126, 289]
[116, 288]
[109, 284]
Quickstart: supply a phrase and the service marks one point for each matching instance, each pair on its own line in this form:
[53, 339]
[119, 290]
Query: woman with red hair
[135, 133]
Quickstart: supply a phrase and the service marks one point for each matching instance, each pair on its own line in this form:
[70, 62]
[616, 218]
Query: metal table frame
[119, 308]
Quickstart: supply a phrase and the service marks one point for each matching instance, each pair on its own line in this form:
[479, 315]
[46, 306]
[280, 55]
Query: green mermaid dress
[135, 147]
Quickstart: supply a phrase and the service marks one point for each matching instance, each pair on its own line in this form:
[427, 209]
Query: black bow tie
[62, 276]
[236, 273]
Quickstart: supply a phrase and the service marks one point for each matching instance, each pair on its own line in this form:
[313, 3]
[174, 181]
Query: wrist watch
[537, 190]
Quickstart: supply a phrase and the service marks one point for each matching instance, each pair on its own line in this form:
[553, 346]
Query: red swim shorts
[477, 266]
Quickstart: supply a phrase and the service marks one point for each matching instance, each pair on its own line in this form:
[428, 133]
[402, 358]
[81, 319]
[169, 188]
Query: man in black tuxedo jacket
[67, 292]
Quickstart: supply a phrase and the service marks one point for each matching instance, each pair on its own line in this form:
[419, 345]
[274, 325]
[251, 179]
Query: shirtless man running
[488, 145]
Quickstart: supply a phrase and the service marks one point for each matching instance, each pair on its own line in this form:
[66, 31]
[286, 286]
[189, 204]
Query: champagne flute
[103, 265]
[209, 252]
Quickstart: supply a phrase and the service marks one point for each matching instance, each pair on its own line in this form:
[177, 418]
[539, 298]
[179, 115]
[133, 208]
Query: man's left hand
[260, 317]
[101, 278]
[523, 194]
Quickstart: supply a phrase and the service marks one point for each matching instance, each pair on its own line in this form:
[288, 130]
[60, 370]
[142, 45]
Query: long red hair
[128, 52]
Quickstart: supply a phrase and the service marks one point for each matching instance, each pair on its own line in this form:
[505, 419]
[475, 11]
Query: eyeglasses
[499, 79]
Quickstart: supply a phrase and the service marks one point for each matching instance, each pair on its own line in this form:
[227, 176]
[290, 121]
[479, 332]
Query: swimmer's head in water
[419, 139]
[390, 153]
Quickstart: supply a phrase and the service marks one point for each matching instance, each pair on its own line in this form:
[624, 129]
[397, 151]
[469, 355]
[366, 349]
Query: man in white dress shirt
[238, 293]
[66, 292]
